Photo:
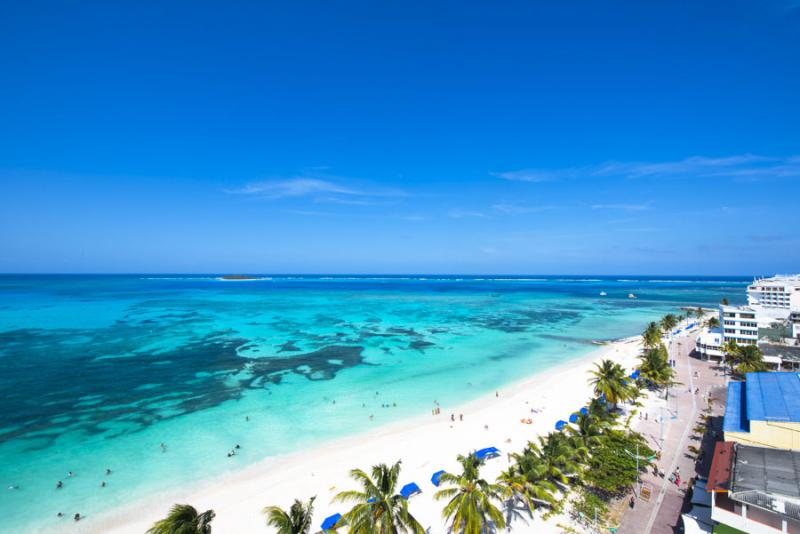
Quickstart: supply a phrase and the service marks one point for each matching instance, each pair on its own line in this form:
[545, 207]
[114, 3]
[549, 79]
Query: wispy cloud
[463, 214]
[320, 188]
[624, 207]
[742, 167]
[516, 209]
[530, 175]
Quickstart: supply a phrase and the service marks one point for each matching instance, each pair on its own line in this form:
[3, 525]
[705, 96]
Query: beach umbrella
[331, 521]
[561, 424]
[584, 411]
[410, 489]
[635, 374]
[573, 418]
[488, 452]
[436, 476]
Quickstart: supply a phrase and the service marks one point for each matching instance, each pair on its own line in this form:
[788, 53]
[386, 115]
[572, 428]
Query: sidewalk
[661, 513]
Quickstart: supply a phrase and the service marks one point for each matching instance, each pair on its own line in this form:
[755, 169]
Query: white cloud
[322, 189]
[462, 214]
[516, 209]
[623, 207]
[743, 167]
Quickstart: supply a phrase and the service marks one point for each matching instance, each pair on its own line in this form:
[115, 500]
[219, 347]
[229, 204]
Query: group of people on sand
[71, 474]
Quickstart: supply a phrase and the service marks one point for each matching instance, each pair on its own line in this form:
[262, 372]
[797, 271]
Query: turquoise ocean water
[97, 371]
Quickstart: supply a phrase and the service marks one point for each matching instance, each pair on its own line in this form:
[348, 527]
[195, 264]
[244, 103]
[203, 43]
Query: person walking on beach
[452, 417]
[461, 417]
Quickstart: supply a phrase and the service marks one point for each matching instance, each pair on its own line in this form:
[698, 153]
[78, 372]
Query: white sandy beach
[425, 444]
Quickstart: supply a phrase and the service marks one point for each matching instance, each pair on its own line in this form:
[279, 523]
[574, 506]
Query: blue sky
[376, 137]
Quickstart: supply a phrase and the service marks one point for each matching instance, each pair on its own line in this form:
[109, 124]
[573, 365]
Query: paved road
[661, 514]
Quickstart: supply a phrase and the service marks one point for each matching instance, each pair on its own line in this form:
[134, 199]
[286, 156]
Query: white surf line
[681, 444]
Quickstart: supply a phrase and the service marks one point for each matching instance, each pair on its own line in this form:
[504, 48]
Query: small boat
[603, 293]
[631, 296]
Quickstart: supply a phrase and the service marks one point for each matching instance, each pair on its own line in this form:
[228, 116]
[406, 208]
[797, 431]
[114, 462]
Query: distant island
[239, 277]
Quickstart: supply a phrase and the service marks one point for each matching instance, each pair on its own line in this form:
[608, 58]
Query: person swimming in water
[77, 517]
[59, 485]
[108, 471]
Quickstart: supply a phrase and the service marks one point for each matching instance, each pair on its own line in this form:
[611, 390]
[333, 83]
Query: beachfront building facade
[794, 320]
[739, 324]
[709, 345]
[764, 411]
[755, 489]
[774, 298]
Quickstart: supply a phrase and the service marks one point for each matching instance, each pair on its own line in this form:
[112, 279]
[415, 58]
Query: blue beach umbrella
[488, 452]
[584, 411]
[436, 476]
[331, 521]
[635, 374]
[410, 489]
[560, 425]
[573, 418]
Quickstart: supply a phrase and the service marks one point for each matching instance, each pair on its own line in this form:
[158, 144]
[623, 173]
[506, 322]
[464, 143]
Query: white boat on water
[603, 293]
[631, 296]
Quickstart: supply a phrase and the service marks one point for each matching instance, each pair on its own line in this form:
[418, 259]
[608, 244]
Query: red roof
[721, 466]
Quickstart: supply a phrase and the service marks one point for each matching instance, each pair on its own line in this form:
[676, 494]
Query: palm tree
[651, 337]
[724, 301]
[296, 521]
[471, 508]
[713, 322]
[526, 479]
[749, 359]
[184, 519]
[559, 458]
[699, 313]
[588, 431]
[379, 510]
[668, 322]
[609, 380]
[731, 350]
[654, 366]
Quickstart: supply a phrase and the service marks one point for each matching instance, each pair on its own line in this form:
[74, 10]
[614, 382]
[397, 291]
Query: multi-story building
[739, 323]
[709, 345]
[774, 298]
[794, 319]
[764, 411]
[754, 489]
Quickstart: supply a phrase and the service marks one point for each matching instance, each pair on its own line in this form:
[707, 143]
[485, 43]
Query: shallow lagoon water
[97, 371]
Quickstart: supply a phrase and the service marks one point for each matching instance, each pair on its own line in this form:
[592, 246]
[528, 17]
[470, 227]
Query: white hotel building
[739, 323]
[774, 298]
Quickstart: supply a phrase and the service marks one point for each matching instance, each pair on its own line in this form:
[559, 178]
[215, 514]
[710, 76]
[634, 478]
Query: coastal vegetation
[472, 504]
[296, 521]
[379, 509]
[608, 380]
[184, 519]
[748, 359]
[654, 368]
[651, 338]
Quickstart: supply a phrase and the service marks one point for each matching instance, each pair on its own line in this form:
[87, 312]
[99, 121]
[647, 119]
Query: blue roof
[331, 521]
[736, 409]
[436, 476]
[487, 452]
[409, 490]
[773, 397]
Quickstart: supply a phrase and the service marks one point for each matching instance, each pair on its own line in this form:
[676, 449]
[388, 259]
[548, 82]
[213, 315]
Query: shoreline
[424, 443]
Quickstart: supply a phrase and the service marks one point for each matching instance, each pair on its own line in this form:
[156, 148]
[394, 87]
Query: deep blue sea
[97, 371]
